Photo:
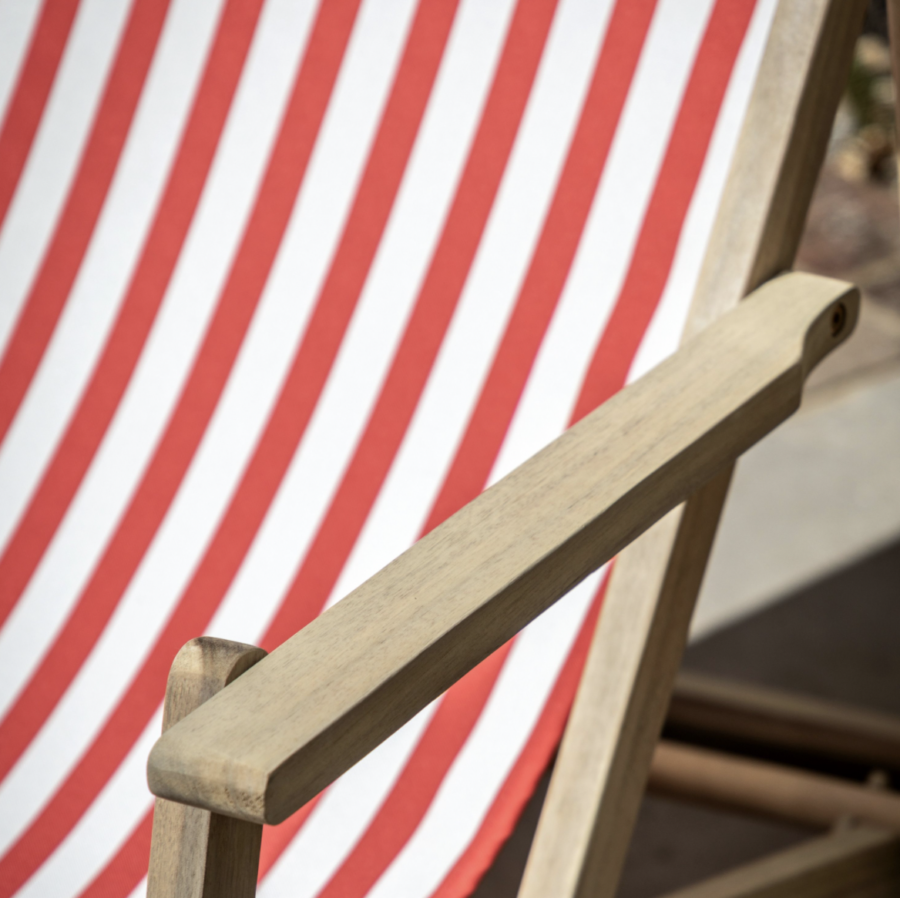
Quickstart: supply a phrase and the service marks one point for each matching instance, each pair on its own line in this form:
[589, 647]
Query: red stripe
[277, 838]
[83, 204]
[319, 572]
[122, 874]
[700, 109]
[664, 219]
[391, 829]
[506, 808]
[424, 333]
[120, 877]
[437, 299]
[23, 114]
[552, 258]
[109, 380]
[334, 306]
[195, 608]
[462, 233]
[404, 808]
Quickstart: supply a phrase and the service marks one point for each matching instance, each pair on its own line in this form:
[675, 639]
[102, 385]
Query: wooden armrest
[292, 724]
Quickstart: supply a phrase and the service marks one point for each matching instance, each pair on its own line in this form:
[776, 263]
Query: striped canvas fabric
[284, 284]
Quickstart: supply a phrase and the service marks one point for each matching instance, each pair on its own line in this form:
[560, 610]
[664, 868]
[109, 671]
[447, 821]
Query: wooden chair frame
[656, 458]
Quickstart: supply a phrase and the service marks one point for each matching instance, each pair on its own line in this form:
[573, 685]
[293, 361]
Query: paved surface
[814, 496]
[824, 489]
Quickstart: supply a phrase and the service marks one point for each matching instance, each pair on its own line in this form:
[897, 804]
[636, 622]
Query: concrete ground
[813, 497]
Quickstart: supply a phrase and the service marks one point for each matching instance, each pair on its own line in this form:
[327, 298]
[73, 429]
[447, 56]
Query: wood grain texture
[602, 765]
[709, 705]
[196, 853]
[773, 790]
[862, 862]
[293, 723]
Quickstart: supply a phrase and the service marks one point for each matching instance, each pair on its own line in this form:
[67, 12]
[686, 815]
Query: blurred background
[803, 590]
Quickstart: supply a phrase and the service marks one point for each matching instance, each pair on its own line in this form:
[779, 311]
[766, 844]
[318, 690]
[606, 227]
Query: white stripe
[139, 420]
[481, 768]
[301, 857]
[431, 854]
[418, 869]
[56, 151]
[488, 296]
[102, 829]
[343, 815]
[665, 329]
[611, 231]
[111, 255]
[436, 162]
[18, 19]
[378, 322]
[498, 738]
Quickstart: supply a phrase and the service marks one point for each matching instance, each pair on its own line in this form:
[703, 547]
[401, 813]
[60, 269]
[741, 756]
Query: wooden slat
[719, 707]
[602, 765]
[862, 863]
[331, 693]
[734, 782]
[195, 853]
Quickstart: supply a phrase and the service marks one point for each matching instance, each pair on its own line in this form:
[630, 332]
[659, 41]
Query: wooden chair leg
[195, 853]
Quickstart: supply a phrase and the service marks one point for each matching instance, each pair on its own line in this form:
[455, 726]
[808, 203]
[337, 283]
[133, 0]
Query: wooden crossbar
[710, 706]
[743, 784]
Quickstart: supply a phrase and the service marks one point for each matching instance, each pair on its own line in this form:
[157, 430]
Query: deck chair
[286, 287]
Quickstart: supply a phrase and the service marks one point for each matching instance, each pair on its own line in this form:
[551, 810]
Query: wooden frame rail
[261, 748]
[709, 706]
[743, 784]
